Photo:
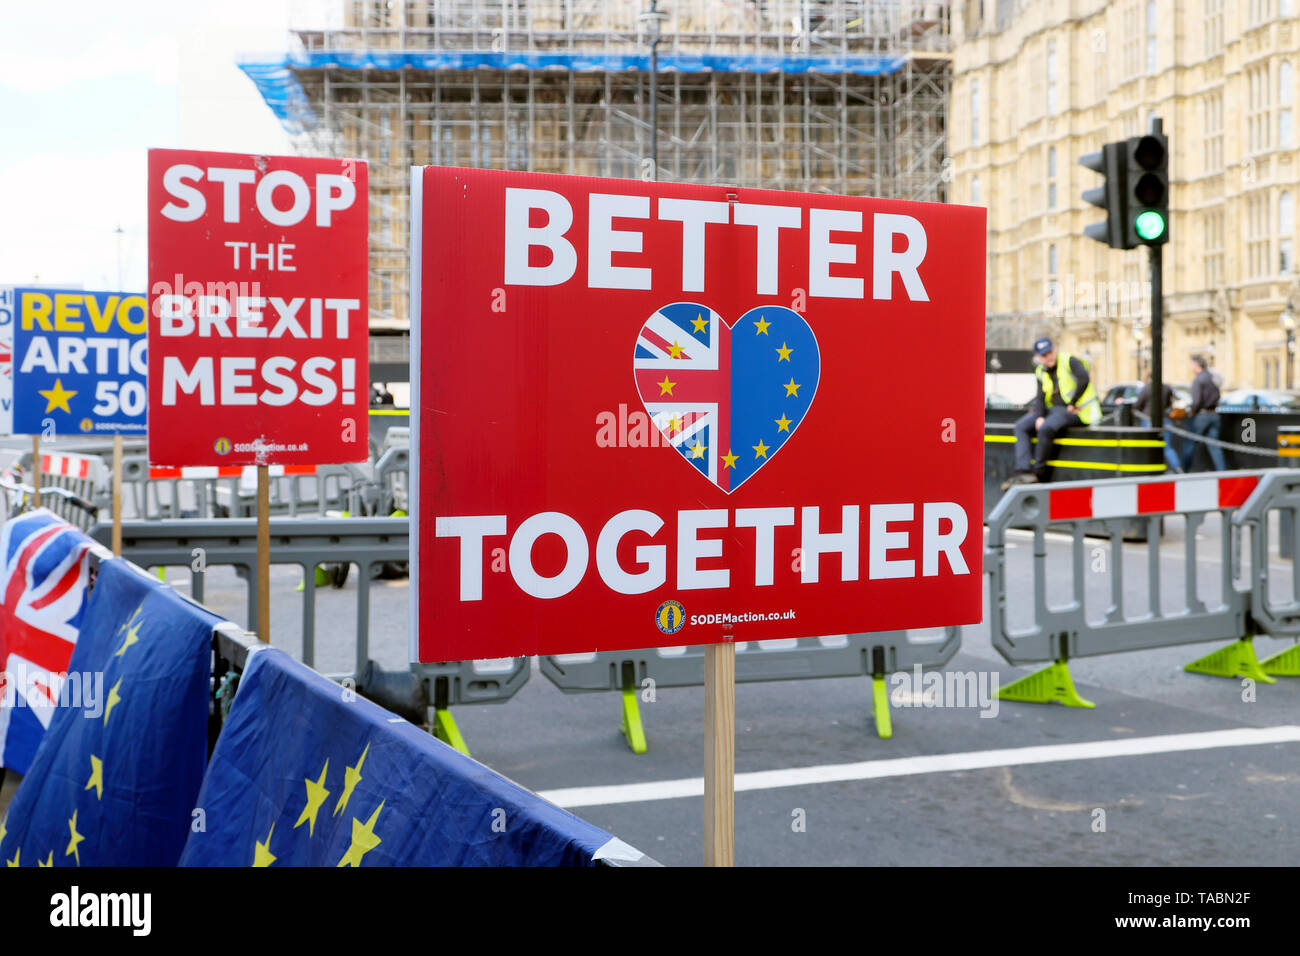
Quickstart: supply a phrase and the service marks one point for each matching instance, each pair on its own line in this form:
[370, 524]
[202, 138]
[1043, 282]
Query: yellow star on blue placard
[56, 397]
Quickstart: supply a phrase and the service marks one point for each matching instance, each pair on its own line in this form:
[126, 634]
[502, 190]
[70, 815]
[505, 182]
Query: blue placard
[79, 362]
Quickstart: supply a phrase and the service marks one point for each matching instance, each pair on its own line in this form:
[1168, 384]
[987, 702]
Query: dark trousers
[1054, 421]
[1207, 424]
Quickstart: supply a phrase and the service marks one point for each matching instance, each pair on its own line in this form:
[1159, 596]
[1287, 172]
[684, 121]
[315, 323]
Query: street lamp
[652, 24]
[1288, 323]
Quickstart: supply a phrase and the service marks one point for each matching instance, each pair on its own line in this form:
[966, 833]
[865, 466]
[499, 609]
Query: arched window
[1285, 92]
[1286, 233]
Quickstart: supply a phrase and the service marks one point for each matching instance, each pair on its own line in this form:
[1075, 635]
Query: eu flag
[115, 777]
[306, 773]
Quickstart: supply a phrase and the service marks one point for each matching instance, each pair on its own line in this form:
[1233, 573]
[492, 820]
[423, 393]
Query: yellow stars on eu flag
[675, 350]
[114, 698]
[57, 397]
[791, 388]
[262, 855]
[363, 839]
[351, 777]
[784, 353]
[783, 424]
[729, 460]
[96, 777]
[74, 839]
[762, 325]
[132, 637]
[316, 795]
[666, 387]
[760, 450]
[48, 864]
[701, 323]
[698, 449]
[3, 831]
[14, 862]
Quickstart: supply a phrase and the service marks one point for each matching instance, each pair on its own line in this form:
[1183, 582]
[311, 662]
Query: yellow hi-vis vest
[1088, 405]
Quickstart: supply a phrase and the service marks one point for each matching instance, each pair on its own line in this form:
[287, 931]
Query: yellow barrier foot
[880, 707]
[445, 729]
[1283, 664]
[632, 728]
[162, 574]
[1236, 660]
[322, 578]
[1052, 683]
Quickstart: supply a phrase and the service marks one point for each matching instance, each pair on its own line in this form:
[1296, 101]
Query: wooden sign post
[36, 470]
[117, 495]
[720, 754]
[263, 553]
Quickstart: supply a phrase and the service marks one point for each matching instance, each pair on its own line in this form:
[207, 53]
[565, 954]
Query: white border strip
[572, 797]
[413, 492]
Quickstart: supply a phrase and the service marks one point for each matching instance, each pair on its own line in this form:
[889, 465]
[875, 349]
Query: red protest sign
[259, 316]
[651, 414]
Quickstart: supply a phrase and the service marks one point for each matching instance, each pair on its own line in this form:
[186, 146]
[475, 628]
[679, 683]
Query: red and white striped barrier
[67, 466]
[227, 471]
[1131, 499]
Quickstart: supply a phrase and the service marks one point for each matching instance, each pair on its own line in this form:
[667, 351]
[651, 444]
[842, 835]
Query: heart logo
[727, 397]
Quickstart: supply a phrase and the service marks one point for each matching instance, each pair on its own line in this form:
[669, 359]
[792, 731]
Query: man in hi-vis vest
[1065, 397]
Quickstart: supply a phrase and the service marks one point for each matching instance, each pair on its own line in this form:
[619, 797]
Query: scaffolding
[839, 96]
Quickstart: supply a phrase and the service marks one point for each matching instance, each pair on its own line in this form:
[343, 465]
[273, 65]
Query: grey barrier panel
[1278, 491]
[368, 543]
[840, 655]
[1065, 632]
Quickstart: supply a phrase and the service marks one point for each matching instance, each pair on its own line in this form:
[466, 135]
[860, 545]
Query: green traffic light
[1150, 225]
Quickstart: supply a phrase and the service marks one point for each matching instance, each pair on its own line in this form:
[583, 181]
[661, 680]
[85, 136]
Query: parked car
[1261, 400]
[994, 400]
[1126, 393]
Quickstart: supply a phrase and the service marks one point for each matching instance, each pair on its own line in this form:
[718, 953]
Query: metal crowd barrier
[1062, 631]
[369, 543]
[70, 484]
[841, 655]
[1279, 491]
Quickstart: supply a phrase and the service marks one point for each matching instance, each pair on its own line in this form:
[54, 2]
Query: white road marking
[572, 797]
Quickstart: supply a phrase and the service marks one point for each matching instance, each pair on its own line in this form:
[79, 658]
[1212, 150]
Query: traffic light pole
[1157, 337]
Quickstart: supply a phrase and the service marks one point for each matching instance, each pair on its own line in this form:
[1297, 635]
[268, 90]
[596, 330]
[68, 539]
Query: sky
[86, 88]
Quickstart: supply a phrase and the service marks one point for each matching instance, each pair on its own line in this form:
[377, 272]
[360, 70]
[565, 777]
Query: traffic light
[1147, 190]
[1135, 194]
[1109, 196]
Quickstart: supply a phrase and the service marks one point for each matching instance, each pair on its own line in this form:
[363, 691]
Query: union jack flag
[44, 589]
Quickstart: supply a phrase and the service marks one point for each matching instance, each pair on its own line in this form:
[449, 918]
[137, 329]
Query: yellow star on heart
[675, 423]
[57, 397]
[316, 795]
[700, 322]
[363, 839]
[791, 388]
[351, 777]
[675, 350]
[760, 450]
[74, 840]
[666, 387]
[729, 460]
[262, 855]
[96, 777]
[783, 424]
[697, 450]
[784, 351]
[762, 325]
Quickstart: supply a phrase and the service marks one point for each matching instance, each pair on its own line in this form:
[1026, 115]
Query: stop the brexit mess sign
[651, 414]
[258, 304]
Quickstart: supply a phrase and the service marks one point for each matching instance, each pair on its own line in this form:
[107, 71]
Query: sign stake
[720, 753]
[264, 553]
[36, 471]
[117, 495]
